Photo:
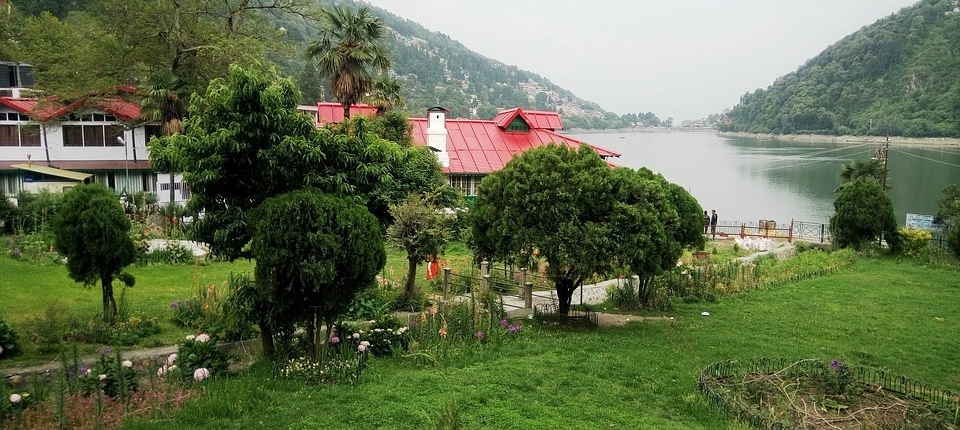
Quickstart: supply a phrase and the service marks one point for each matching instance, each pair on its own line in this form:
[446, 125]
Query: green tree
[870, 170]
[385, 94]
[948, 215]
[348, 48]
[418, 229]
[550, 204]
[165, 103]
[92, 232]
[314, 253]
[863, 214]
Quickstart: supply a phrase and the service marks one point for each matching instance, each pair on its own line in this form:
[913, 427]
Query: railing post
[446, 283]
[484, 268]
[523, 280]
[822, 228]
[485, 283]
[743, 230]
[790, 235]
[528, 295]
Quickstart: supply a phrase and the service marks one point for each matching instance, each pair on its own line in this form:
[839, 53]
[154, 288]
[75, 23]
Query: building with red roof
[100, 135]
[470, 149]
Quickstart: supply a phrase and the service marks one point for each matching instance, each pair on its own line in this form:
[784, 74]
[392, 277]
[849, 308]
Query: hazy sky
[681, 59]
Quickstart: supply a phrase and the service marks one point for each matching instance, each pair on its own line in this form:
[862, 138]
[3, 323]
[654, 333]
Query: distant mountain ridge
[899, 76]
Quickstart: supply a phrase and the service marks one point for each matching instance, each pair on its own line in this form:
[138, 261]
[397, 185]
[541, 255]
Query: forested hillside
[78, 47]
[899, 76]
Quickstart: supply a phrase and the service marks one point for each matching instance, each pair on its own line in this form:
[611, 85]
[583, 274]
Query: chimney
[437, 133]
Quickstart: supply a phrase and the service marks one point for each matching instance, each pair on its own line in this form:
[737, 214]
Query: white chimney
[437, 133]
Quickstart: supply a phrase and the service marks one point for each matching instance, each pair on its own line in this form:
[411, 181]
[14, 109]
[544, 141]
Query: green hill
[899, 76]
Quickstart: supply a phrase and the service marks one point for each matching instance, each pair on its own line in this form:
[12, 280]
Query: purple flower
[504, 322]
[515, 328]
[175, 305]
[106, 351]
[17, 252]
[836, 364]
[82, 370]
[480, 335]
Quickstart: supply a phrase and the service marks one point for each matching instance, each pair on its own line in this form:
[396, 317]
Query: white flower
[365, 343]
[15, 398]
[361, 348]
[162, 370]
[402, 330]
[356, 335]
[89, 371]
[202, 338]
[172, 368]
[102, 376]
[378, 330]
[201, 374]
[171, 359]
[127, 363]
[191, 337]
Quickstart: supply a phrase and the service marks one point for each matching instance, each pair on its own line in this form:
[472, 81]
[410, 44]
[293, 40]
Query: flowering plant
[111, 374]
[385, 337]
[197, 358]
[8, 340]
[836, 378]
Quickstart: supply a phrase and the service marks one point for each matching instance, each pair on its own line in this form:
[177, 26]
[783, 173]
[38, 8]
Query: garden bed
[812, 394]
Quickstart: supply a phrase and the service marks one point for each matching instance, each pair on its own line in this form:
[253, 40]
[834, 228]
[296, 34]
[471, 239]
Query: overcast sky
[681, 59]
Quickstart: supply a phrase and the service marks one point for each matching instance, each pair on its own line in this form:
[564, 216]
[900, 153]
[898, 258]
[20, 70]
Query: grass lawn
[30, 291]
[899, 316]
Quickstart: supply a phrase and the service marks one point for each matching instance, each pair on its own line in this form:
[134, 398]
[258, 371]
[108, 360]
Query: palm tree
[385, 94]
[348, 48]
[866, 169]
[164, 102]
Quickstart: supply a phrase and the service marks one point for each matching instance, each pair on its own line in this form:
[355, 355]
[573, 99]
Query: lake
[750, 179]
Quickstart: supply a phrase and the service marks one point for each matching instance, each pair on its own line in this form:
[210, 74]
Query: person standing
[706, 222]
[713, 223]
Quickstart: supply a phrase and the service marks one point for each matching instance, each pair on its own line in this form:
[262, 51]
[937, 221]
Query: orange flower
[443, 332]
[433, 310]
[423, 317]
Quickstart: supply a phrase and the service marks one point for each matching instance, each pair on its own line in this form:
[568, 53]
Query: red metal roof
[328, 112]
[481, 147]
[535, 119]
[122, 109]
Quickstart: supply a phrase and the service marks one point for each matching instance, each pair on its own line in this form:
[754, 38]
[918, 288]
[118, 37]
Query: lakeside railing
[810, 231]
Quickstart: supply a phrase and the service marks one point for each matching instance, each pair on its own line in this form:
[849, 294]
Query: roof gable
[534, 119]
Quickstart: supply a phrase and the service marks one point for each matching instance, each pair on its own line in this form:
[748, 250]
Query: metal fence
[810, 231]
[791, 367]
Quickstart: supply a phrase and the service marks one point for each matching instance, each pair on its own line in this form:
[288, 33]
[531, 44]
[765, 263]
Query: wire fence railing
[713, 376]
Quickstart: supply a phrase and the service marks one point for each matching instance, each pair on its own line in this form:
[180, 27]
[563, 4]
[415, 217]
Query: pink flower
[201, 374]
[15, 398]
[171, 359]
[361, 348]
[480, 335]
[334, 340]
[162, 371]
[202, 338]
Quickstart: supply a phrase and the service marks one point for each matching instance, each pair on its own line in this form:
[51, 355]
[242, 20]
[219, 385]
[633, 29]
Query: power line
[927, 158]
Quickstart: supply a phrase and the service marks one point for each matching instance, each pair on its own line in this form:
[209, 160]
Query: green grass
[29, 290]
[899, 316]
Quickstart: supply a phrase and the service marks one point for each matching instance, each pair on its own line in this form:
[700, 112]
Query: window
[19, 135]
[518, 124]
[91, 134]
[467, 184]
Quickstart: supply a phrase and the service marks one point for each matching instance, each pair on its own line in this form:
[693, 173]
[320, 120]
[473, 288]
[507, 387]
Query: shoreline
[919, 141]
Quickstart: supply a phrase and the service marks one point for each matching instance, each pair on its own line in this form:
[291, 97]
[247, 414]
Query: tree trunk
[109, 305]
[644, 290]
[312, 337]
[410, 289]
[565, 289]
[346, 111]
[266, 341]
[172, 182]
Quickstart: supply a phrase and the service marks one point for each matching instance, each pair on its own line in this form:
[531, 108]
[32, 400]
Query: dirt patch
[616, 320]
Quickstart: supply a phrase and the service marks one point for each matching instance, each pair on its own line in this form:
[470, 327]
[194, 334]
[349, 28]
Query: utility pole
[886, 152]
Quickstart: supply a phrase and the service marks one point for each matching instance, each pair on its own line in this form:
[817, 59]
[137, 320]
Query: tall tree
[948, 215]
[164, 102]
[92, 232]
[348, 48]
[245, 141]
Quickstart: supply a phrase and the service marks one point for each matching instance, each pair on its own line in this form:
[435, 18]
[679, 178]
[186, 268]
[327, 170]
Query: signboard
[921, 221]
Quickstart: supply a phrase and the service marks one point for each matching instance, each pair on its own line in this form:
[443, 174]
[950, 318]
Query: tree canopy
[863, 214]
[91, 231]
[569, 210]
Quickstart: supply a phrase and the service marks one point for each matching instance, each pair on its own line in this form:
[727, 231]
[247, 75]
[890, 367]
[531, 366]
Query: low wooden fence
[518, 283]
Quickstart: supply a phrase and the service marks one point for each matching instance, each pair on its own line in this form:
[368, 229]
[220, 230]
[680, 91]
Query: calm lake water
[749, 179]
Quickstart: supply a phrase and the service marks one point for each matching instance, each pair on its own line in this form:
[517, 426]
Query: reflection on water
[749, 179]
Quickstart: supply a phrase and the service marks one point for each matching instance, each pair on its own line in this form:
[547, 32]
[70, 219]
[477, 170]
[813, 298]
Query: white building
[99, 135]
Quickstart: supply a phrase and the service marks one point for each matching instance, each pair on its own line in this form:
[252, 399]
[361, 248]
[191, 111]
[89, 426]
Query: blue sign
[921, 221]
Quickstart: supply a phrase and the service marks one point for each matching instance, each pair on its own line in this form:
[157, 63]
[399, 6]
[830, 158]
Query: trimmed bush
[914, 241]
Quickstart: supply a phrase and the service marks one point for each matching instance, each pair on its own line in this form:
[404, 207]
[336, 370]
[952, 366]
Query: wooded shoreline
[894, 140]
